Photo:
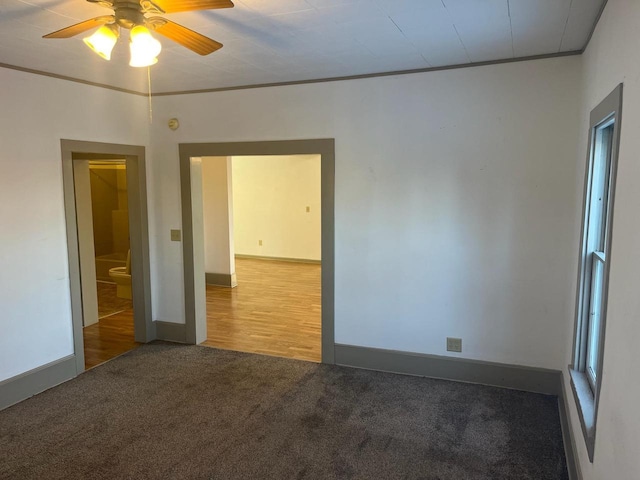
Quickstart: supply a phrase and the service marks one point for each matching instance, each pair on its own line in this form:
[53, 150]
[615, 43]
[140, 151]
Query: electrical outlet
[454, 344]
[260, 242]
[308, 209]
[176, 235]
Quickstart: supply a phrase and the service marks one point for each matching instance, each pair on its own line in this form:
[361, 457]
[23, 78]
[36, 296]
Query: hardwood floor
[110, 337]
[113, 335]
[108, 302]
[274, 310]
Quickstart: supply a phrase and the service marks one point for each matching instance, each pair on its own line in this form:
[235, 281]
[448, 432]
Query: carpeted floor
[170, 411]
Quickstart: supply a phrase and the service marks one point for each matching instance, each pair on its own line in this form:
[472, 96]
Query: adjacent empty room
[262, 246]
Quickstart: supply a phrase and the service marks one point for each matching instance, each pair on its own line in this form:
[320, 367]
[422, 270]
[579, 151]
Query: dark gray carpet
[170, 411]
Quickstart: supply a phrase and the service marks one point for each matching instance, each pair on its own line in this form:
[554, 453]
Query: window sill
[586, 408]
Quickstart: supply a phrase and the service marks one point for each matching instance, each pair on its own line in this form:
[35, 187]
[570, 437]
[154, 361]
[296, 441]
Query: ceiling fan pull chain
[150, 105]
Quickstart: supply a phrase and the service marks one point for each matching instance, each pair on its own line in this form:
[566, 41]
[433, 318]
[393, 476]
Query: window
[597, 218]
[595, 251]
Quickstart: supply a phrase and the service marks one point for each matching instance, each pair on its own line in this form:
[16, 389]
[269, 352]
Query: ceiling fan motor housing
[128, 14]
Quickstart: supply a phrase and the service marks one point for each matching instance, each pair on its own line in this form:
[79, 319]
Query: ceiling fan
[132, 15]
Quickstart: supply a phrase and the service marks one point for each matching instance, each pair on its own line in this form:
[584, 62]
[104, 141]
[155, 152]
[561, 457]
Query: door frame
[134, 156]
[193, 235]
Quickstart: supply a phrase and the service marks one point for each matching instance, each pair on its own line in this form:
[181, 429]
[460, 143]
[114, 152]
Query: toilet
[122, 278]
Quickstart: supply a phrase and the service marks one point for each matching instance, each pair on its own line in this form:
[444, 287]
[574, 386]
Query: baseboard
[171, 332]
[567, 434]
[28, 384]
[221, 279]
[530, 379]
[279, 259]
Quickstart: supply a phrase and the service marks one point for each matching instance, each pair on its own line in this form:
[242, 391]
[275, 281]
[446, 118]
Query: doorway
[108, 272]
[262, 232]
[112, 332]
[193, 229]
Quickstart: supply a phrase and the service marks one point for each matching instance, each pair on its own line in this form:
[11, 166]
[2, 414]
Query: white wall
[217, 215]
[35, 320]
[270, 199]
[612, 57]
[454, 201]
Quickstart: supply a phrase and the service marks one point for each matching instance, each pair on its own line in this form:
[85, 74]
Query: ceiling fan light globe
[142, 61]
[103, 40]
[144, 48]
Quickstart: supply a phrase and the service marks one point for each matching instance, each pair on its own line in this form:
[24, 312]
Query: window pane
[595, 317]
[600, 189]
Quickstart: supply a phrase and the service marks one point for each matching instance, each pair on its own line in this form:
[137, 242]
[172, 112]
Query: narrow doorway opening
[262, 254]
[108, 248]
[112, 332]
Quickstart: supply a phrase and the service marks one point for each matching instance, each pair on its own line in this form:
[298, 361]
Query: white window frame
[595, 254]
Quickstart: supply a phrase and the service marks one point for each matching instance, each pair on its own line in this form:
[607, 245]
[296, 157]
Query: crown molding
[374, 75]
[595, 24]
[299, 82]
[71, 79]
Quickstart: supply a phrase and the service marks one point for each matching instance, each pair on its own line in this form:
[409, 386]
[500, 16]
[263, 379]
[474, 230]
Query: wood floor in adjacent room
[274, 310]
[113, 335]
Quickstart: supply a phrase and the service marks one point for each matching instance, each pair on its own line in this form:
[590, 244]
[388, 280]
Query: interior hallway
[274, 310]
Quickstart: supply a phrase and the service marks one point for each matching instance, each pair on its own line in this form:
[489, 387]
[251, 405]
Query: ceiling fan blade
[184, 36]
[173, 6]
[81, 27]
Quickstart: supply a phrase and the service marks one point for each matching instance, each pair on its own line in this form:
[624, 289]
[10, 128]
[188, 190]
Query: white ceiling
[270, 41]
